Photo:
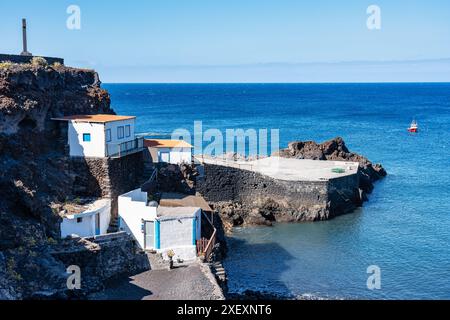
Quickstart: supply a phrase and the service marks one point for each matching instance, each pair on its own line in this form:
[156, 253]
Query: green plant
[39, 61]
[6, 64]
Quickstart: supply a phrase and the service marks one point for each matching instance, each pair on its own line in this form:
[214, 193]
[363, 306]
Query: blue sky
[239, 41]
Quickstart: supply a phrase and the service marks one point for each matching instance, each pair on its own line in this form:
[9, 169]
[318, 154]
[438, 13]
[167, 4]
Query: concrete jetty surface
[290, 169]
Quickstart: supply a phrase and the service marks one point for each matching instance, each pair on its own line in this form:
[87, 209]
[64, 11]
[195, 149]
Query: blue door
[97, 224]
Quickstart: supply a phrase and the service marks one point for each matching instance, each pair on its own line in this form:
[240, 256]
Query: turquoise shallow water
[404, 228]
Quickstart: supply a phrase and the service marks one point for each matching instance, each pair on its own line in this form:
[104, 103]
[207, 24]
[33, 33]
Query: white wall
[105, 218]
[132, 210]
[176, 155]
[86, 228]
[94, 148]
[176, 234]
[97, 146]
[115, 141]
[179, 155]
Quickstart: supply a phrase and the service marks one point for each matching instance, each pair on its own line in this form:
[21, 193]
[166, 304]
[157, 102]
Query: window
[86, 137]
[108, 135]
[127, 131]
[79, 220]
[120, 133]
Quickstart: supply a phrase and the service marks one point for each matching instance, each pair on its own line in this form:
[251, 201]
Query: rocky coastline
[37, 180]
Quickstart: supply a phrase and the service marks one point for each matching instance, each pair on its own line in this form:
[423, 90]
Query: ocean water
[405, 227]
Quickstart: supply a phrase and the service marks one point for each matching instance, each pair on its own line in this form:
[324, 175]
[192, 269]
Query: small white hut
[89, 219]
[169, 151]
[160, 228]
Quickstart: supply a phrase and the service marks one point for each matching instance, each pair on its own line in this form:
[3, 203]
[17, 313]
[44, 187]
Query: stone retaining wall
[295, 200]
[107, 177]
[102, 259]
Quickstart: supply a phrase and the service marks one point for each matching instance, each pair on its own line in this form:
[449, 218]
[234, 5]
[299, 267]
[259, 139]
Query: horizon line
[263, 83]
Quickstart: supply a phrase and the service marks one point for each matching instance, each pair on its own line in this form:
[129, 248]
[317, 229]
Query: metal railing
[210, 246]
[117, 150]
[151, 184]
[206, 246]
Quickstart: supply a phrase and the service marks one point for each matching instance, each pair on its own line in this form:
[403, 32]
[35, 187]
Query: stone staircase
[156, 261]
[219, 271]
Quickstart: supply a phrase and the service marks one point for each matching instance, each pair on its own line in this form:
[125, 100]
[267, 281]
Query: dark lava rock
[336, 149]
[34, 174]
[177, 178]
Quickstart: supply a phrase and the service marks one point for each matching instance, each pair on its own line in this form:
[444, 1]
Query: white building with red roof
[101, 135]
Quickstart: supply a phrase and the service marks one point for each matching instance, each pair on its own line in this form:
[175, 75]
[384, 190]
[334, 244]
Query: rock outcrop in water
[336, 149]
[35, 179]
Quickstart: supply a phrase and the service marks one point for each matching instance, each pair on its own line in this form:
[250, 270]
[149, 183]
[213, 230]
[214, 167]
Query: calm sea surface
[404, 228]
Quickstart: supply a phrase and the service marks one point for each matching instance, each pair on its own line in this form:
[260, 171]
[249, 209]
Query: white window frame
[119, 129]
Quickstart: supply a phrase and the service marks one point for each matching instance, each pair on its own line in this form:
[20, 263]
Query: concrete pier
[290, 169]
[284, 189]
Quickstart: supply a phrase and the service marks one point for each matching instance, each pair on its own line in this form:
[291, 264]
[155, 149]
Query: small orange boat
[414, 127]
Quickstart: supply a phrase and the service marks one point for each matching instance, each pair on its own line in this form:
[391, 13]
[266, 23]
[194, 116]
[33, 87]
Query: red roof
[97, 118]
[158, 143]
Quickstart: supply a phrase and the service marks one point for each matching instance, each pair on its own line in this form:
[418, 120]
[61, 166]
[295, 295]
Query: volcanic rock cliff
[34, 175]
[32, 170]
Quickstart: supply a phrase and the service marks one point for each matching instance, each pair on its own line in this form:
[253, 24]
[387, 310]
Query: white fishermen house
[86, 220]
[96, 136]
[101, 135]
[160, 228]
[169, 151]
